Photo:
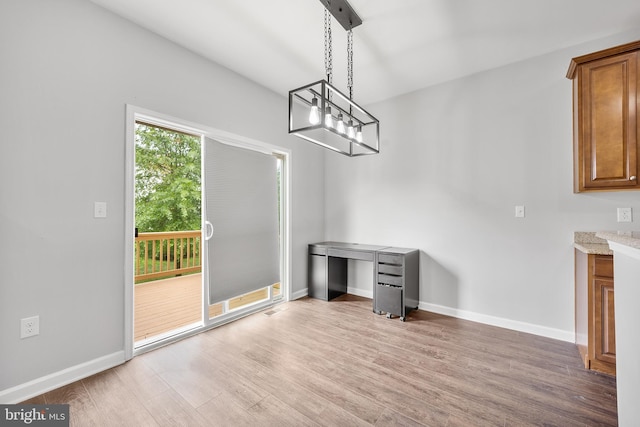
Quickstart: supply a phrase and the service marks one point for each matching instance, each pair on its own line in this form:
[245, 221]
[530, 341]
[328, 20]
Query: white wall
[455, 160]
[68, 69]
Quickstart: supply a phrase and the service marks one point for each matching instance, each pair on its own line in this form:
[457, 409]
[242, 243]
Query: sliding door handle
[208, 230]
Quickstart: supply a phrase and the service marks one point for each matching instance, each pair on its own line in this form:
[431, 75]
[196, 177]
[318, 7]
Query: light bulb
[359, 134]
[340, 124]
[314, 115]
[350, 131]
[328, 118]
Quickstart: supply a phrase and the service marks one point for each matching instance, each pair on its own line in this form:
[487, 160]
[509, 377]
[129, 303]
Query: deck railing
[166, 254]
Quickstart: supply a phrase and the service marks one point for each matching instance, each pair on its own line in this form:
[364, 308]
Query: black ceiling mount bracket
[343, 12]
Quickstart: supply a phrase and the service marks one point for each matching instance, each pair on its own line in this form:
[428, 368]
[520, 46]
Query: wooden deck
[168, 304]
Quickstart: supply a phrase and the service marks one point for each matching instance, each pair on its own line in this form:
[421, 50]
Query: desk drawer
[317, 250]
[345, 253]
[390, 280]
[389, 299]
[395, 270]
[390, 259]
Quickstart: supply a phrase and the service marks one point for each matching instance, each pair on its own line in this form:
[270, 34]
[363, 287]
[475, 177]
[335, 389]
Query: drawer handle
[633, 178]
[388, 285]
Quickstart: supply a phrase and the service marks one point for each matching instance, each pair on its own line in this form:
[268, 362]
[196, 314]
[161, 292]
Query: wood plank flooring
[310, 362]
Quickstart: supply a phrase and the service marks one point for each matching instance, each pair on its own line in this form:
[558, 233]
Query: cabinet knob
[633, 178]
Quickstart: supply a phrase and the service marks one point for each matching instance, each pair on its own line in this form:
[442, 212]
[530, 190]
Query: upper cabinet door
[605, 122]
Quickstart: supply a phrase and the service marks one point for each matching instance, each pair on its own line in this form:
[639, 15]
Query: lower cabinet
[595, 311]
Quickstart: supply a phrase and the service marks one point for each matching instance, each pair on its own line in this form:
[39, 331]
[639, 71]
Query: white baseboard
[50, 382]
[366, 293]
[300, 294]
[354, 291]
[501, 322]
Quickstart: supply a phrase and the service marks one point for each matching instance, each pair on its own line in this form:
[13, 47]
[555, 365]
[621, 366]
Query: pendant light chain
[350, 63]
[328, 52]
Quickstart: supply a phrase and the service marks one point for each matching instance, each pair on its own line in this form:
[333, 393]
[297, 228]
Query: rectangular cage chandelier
[320, 113]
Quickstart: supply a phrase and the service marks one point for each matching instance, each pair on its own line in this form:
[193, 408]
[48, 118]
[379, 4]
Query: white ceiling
[402, 45]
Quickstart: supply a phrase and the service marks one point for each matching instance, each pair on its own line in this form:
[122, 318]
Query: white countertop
[626, 238]
[626, 269]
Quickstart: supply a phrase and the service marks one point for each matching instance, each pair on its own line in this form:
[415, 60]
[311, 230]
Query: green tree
[167, 190]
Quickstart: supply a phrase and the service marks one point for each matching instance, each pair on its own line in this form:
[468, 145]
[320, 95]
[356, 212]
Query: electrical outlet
[29, 326]
[624, 215]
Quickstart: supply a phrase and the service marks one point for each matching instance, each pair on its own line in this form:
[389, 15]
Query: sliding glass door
[242, 226]
[235, 257]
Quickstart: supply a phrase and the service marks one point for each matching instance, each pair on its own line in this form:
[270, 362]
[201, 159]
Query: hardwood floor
[310, 362]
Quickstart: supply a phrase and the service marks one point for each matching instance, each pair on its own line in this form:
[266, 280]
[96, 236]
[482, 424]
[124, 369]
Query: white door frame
[134, 113]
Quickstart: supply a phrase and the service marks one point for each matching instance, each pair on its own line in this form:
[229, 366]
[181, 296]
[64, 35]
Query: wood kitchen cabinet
[595, 312]
[606, 127]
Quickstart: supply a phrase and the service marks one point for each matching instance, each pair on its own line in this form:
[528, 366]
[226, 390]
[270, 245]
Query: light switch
[100, 209]
[519, 211]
